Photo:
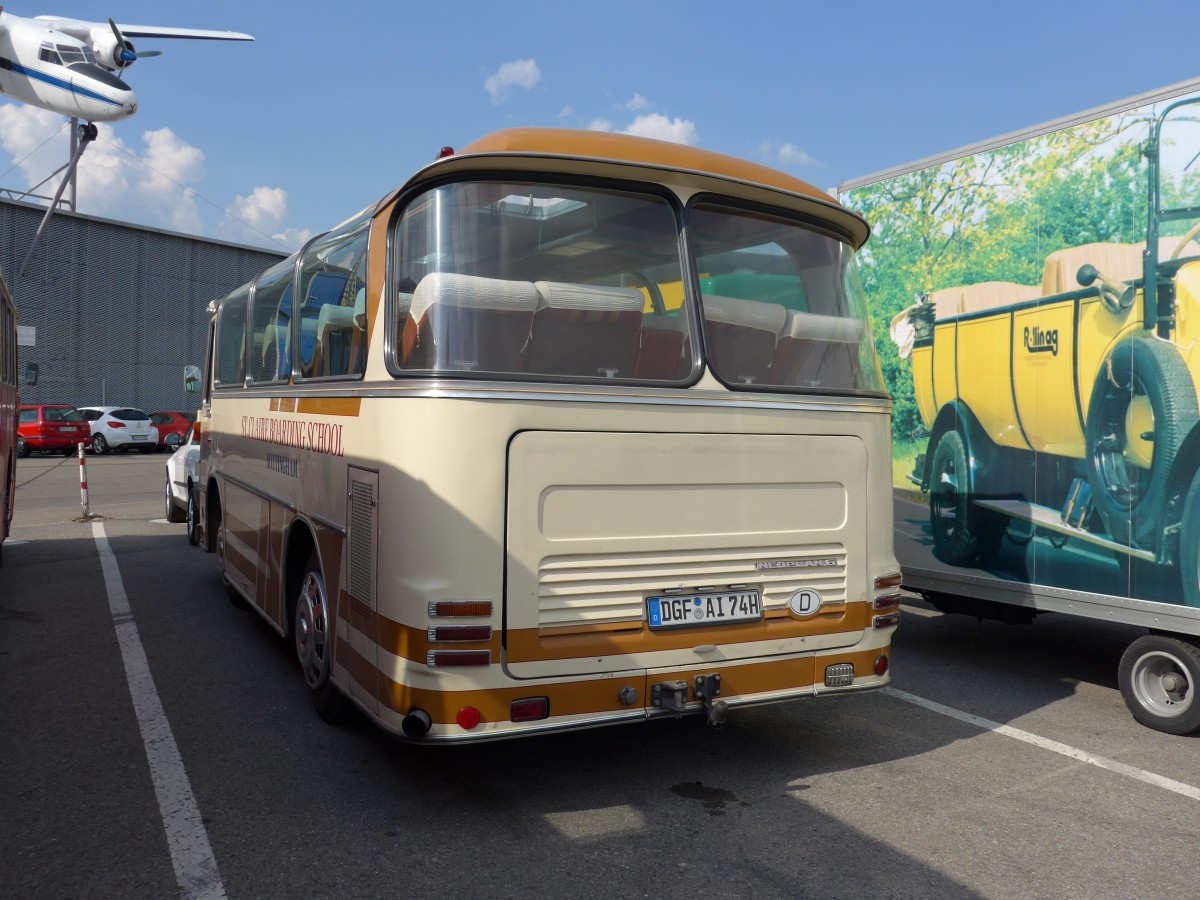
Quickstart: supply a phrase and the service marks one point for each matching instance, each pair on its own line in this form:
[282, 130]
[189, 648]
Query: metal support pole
[83, 489]
[87, 134]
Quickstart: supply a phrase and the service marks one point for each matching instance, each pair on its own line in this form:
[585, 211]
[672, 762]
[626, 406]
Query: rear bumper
[595, 702]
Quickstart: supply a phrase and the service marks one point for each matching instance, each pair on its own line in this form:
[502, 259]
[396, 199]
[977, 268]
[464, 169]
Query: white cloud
[658, 126]
[787, 155]
[636, 103]
[154, 187]
[566, 112]
[600, 125]
[523, 73]
[256, 215]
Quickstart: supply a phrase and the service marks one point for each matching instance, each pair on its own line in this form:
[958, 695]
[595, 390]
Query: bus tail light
[468, 717]
[530, 709]
[447, 658]
[460, 632]
[881, 665]
[459, 608]
[888, 601]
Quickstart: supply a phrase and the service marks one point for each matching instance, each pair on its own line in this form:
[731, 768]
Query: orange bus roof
[627, 148]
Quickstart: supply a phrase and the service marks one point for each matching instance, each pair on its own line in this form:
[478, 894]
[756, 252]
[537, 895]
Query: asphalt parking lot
[1002, 762]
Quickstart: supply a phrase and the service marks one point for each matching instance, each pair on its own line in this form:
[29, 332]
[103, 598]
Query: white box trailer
[1041, 293]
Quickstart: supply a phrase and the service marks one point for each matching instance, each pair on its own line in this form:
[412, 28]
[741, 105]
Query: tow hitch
[672, 696]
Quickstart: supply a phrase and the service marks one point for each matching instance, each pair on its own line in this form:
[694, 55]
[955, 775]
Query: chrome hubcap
[312, 631]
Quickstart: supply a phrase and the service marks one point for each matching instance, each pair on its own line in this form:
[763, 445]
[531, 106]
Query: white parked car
[120, 428]
[181, 476]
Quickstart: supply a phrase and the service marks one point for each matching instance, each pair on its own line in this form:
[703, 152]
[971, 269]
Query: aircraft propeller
[124, 56]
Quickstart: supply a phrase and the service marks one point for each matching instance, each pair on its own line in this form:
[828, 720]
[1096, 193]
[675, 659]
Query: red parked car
[172, 428]
[53, 427]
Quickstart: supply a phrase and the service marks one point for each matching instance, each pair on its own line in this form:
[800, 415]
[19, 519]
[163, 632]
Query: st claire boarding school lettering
[318, 437]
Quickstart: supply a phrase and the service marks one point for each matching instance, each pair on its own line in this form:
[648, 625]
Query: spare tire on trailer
[1142, 375]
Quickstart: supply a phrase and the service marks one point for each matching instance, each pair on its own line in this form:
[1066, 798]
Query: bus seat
[817, 351]
[588, 330]
[663, 354]
[468, 323]
[742, 336]
[331, 352]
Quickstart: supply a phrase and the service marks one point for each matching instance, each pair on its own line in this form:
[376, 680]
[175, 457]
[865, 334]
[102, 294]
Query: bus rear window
[541, 281]
[782, 304]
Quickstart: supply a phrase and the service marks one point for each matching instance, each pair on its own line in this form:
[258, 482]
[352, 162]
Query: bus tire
[1159, 676]
[1129, 499]
[193, 517]
[212, 521]
[956, 539]
[313, 640]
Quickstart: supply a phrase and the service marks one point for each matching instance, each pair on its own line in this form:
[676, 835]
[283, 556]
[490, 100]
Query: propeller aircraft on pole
[74, 67]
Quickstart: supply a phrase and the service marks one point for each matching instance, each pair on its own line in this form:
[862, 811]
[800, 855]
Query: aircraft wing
[195, 34]
[77, 28]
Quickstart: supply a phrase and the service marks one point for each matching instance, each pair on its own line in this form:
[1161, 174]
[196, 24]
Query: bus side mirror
[191, 379]
[31, 374]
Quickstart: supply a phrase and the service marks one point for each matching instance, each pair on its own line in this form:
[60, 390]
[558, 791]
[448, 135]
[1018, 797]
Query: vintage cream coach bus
[571, 429]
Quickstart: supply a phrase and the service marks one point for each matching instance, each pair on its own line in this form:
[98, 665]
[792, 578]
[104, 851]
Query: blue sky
[333, 105]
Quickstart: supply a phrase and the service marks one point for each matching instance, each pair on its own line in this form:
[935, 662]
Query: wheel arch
[299, 544]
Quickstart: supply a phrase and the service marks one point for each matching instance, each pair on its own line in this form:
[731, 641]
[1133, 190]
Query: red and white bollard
[83, 493]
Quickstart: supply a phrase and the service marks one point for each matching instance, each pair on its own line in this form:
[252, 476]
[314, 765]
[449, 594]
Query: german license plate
[687, 610]
[140, 437]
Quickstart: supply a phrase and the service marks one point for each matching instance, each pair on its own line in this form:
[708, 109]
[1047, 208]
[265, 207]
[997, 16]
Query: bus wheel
[955, 541]
[1142, 406]
[1159, 676]
[314, 643]
[193, 517]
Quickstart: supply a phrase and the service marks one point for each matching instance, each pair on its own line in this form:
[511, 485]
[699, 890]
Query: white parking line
[1067, 750]
[191, 853]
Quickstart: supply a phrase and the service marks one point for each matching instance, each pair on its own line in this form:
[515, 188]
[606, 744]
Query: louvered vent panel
[598, 589]
[362, 546]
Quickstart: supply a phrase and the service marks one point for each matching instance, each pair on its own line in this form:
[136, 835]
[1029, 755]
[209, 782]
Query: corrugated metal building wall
[118, 309]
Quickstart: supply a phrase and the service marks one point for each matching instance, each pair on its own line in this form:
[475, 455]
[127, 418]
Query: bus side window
[333, 311]
[230, 353]
[270, 316]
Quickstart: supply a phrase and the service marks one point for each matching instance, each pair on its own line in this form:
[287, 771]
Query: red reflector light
[888, 601]
[460, 632]
[445, 658]
[888, 581]
[468, 717]
[530, 709]
[444, 152]
[881, 665]
[460, 608]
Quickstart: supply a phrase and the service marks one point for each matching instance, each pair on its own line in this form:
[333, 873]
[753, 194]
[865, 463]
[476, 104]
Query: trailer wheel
[1159, 677]
[314, 642]
[958, 539]
[1144, 379]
